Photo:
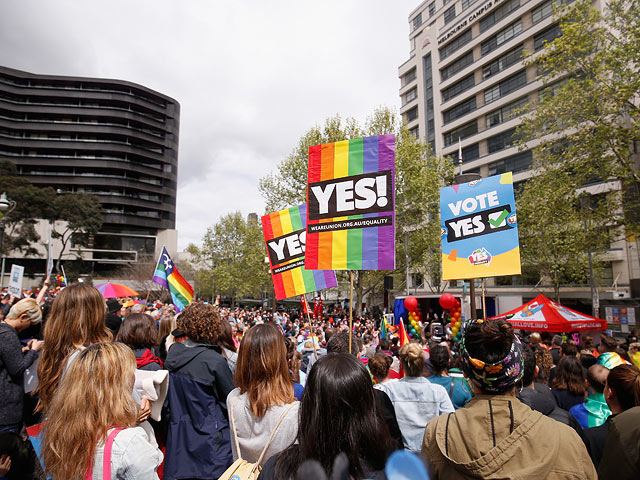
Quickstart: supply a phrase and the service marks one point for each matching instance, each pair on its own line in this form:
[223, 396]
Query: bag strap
[233, 427]
[284, 414]
[106, 459]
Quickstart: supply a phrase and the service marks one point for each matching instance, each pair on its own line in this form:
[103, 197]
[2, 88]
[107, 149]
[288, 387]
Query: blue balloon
[403, 465]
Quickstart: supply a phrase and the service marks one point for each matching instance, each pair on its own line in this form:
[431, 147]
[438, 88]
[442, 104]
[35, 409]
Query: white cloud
[250, 76]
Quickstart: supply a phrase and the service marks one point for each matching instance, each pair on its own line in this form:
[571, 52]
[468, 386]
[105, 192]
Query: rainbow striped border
[299, 280]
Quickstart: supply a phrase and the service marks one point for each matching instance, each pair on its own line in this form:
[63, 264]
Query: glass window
[498, 14]
[457, 66]
[502, 63]
[459, 110]
[410, 95]
[543, 11]
[417, 21]
[548, 35]
[492, 94]
[432, 9]
[467, 3]
[414, 132]
[457, 88]
[456, 44]
[412, 114]
[409, 77]
[505, 113]
[449, 14]
[501, 37]
[509, 32]
[501, 141]
[515, 163]
[461, 133]
[470, 153]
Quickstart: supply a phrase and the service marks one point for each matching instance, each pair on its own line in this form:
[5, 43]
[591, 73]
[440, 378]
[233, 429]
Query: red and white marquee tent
[542, 314]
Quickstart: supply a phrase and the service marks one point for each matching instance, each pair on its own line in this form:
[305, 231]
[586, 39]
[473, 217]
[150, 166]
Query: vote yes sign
[479, 229]
[285, 239]
[351, 198]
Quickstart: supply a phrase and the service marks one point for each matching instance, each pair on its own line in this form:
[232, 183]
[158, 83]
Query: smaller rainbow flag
[167, 275]
[285, 239]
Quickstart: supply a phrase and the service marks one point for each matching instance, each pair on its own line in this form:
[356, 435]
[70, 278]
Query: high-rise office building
[462, 87]
[115, 139]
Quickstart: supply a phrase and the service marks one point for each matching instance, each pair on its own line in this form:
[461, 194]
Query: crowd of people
[121, 389]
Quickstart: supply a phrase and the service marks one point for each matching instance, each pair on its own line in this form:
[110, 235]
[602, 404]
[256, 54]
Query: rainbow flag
[285, 239]
[383, 328]
[402, 333]
[351, 199]
[167, 275]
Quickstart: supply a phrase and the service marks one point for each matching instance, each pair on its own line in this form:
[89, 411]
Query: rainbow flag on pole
[167, 275]
[285, 239]
[351, 199]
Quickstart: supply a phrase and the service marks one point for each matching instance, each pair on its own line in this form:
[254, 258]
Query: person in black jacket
[198, 442]
[14, 360]
[537, 395]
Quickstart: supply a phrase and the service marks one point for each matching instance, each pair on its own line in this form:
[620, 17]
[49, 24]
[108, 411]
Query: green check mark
[496, 223]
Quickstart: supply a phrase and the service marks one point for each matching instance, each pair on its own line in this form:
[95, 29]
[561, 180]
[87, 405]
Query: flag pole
[306, 307]
[484, 306]
[350, 308]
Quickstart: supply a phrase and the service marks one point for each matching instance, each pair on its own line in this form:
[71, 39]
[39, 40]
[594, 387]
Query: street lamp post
[6, 206]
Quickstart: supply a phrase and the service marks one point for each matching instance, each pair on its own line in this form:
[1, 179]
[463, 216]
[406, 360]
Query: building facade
[114, 139]
[461, 88]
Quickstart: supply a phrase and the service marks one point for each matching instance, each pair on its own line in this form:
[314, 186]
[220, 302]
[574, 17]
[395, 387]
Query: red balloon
[411, 303]
[447, 301]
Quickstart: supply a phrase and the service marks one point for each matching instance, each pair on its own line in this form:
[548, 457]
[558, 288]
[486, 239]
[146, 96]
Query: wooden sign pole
[350, 308]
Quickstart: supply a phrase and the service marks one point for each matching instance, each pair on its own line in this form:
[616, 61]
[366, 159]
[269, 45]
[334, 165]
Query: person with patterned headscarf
[496, 435]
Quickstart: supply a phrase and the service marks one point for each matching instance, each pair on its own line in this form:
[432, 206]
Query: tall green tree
[419, 175]
[233, 250]
[559, 227]
[592, 100]
[80, 215]
[583, 129]
[31, 203]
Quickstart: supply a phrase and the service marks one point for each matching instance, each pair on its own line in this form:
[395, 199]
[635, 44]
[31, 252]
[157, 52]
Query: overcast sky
[251, 76]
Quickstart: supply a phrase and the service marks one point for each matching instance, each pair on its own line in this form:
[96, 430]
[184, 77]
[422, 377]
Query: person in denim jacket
[415, 399]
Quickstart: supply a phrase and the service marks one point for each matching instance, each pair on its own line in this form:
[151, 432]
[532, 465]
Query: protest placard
[285, 239]
[479, 229]
[351, 198]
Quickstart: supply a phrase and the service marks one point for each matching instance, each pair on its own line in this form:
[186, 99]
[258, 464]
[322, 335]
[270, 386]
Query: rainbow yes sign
[351, 199]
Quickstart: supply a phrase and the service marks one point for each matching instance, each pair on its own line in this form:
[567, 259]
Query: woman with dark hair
[495, 435]
[454, 384]
[415, 399]
[264, 396]
[139, 333]
[622, 392]
[339, 414]
[569, 385]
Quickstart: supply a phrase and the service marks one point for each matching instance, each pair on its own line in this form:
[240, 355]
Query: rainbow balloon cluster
[451, 303]
[60, 280]
[415, 316]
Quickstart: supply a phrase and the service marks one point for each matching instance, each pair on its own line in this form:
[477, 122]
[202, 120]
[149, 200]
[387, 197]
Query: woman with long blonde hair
[264, 399]
[90, 426]
[76, 320]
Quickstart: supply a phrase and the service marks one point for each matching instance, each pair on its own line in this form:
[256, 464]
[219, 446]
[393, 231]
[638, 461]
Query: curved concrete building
[115, 139]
